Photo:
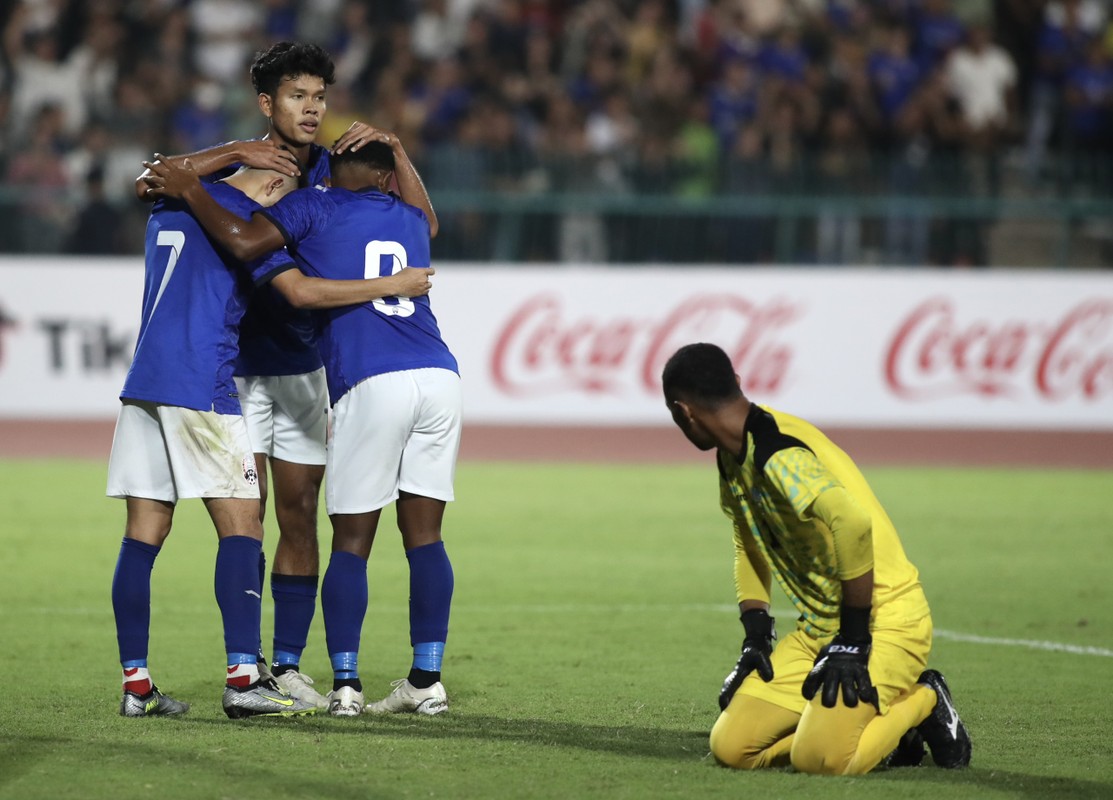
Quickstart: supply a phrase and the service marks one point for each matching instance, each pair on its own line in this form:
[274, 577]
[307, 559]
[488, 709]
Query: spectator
[353, 44]
[1089, 119]
[734, 100]
[531, 88]
[1061, 41]
[894, 74]
[445, 99]
[43, 74]
[199, 121]
[981, 76]
[749, 239]
[226, 33]
[280, 22]
[784, 57]
[843, 171]
[929, 138]
[97, 230]
[38, 175]
[737, 35]
[600, 77]
[508, 34]
[649, 32]
[434, 31]
[936, 32]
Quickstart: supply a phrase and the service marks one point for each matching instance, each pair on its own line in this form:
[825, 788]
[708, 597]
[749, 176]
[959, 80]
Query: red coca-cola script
[545, 347]
[934, 353]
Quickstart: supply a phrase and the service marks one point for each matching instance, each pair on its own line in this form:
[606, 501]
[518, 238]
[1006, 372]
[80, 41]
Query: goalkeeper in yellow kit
[848, 689]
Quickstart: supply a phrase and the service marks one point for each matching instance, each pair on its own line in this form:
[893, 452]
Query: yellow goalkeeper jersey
[804, 515]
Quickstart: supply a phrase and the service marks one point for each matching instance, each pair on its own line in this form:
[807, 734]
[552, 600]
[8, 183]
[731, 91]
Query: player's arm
[244, 240]
[752, 580]
[410, 186]
[258, 153]
[844, 663]
[303, 291]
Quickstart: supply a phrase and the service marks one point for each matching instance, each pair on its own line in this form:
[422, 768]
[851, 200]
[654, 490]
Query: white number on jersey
[175, 240]
[373, 256]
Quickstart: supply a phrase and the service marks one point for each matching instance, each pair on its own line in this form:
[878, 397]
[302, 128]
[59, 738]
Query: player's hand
[359, 134]
[756, 651]
[413, 281]
[166, 179]
[842, 663]
[267, 154]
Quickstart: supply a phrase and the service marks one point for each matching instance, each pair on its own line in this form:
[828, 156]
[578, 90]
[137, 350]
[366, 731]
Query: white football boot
[299, 685]
[345, 702]
[407, 699]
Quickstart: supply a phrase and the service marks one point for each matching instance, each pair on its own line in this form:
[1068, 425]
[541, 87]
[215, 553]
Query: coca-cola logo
[543, 348]
[934, 354]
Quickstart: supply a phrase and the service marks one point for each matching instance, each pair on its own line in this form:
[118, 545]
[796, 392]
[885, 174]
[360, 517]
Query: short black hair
[377, 155]
[287, 59]
[702, 373]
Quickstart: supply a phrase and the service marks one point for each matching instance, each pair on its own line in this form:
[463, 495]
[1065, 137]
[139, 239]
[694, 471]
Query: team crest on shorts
[249, 473]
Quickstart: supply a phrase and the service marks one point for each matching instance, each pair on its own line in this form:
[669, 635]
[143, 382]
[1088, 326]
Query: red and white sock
[242, 675]
[137, 680]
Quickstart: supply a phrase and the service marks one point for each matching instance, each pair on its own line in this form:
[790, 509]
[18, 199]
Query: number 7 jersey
[194, 295]
[340, 234]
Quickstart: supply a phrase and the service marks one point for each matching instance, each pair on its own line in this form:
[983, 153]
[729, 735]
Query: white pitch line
[1031, 644]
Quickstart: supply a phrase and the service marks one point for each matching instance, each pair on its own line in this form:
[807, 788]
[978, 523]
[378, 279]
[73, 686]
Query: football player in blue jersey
[279, 373]
[180, 433]
[395, 390]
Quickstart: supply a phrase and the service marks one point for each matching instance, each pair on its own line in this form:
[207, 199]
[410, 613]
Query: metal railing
[566, 211]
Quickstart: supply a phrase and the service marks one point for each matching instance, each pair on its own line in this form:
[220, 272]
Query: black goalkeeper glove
[756, 649]
[845, 663]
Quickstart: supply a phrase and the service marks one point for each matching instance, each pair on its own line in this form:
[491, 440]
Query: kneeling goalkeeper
[848, 689]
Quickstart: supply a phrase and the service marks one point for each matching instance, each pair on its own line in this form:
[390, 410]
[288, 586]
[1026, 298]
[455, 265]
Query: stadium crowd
[689, 100]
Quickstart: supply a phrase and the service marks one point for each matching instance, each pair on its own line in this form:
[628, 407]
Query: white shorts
[287, 415]
[394, 432]
[168, 453]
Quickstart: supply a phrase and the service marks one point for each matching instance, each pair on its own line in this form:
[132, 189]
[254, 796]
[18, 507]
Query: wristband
[758, 624]
[854, 624]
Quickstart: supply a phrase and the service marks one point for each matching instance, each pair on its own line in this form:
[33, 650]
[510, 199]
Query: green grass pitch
[592, 625]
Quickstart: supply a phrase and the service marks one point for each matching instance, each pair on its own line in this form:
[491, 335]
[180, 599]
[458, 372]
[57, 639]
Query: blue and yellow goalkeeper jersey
[804, 515]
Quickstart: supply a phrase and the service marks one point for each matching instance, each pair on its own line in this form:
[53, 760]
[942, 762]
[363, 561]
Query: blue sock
[131, 600]
[344, 605]
[262, 582]
[239, 595]
[431, 583]
[295, 601]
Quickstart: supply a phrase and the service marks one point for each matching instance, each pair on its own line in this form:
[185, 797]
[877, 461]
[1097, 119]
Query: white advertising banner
[561, 345]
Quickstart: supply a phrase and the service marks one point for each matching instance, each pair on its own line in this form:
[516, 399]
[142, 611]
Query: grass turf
[592, 624]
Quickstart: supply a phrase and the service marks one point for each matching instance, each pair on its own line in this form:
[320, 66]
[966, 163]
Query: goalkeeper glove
[844, 663]
[756, 649]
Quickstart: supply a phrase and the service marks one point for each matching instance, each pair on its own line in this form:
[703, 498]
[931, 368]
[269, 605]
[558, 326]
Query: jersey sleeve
[264, 270]
[752, 576]
[297, 215]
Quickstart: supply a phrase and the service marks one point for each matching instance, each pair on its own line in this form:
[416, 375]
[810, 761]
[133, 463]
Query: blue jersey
[275, 337]
[193, 298]
[335, 233]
